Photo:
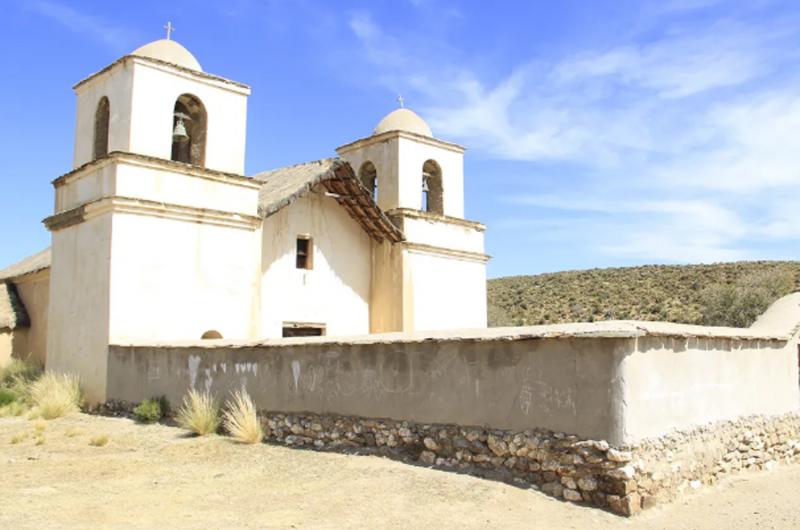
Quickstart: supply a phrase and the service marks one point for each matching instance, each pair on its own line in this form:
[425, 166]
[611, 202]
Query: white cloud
[117, 38]
[677, 146]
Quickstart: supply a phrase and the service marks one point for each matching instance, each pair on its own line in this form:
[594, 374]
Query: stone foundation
[623, 480]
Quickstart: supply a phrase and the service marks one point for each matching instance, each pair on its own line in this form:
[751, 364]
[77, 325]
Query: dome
[169, 51]
[404, 120]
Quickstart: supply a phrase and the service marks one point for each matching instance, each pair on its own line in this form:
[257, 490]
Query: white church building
[158, 235]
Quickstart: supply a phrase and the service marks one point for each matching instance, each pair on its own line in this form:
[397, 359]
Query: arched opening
[211, 334]
[189, 131]
[369, 177]
[101, 118]
[432, 192]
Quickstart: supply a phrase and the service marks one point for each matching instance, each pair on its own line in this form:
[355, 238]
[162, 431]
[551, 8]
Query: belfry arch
[432, 190]
[102, 116]
[369, 178]
[189, 125]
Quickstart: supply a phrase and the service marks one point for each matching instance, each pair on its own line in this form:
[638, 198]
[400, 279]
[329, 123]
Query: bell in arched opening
[189, 131]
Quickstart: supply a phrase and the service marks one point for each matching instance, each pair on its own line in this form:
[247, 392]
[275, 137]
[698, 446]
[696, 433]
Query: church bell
[179, 134]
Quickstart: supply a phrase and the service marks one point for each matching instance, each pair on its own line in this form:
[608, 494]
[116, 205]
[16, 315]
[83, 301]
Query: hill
[715, 294]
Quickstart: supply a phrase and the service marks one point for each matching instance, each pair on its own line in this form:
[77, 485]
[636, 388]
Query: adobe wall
[563, 384]
[6, 346]
[615, 381]
[31, 342]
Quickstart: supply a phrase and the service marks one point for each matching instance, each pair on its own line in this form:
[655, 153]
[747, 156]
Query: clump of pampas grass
[55, 395]
[241, 419]
[199, 413]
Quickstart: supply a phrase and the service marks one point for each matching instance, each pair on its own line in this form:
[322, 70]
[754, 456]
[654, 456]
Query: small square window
[305, 253]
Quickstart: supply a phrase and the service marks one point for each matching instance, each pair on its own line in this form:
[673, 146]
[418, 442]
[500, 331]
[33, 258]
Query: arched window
[369, 177]
[432, 192]
[211, 334]
[189, 131]
[101, 117]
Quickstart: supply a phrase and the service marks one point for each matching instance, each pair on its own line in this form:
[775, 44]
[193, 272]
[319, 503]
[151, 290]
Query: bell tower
[158, 90]
[155, 224]
[436, 278]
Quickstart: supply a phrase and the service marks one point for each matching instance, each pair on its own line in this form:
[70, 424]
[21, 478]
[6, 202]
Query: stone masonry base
[624, 480]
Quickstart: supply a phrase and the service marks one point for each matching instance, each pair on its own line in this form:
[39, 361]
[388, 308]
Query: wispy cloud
[673, 145]
[116, 37]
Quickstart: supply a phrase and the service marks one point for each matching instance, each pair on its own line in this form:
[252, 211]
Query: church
[159, 236]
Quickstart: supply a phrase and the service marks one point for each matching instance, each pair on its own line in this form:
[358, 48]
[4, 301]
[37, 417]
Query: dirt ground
[155, 477]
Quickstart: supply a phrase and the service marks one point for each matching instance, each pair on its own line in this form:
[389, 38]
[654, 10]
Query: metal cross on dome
[401, 100]
[170, 28]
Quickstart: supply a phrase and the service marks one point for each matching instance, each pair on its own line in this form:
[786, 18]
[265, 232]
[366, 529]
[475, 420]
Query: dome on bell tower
[405, 120]
[169, 51]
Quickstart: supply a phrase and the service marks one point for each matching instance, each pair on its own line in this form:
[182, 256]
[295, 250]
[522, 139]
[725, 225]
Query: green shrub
[739, 304]
[18, 370]
[150, 410]
[16, 379]
[6, 397]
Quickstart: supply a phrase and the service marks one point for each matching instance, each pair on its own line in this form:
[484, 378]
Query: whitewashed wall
[77, 334]
[447, 292]
[337, 291]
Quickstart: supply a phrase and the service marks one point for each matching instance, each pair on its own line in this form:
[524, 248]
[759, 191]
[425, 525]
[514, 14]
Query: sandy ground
[156, 477]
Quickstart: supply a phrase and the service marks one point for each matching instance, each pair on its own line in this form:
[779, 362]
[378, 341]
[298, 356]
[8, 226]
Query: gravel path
[156, 477]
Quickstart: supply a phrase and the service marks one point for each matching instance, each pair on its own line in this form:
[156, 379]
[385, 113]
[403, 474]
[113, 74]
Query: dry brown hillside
[716, 294]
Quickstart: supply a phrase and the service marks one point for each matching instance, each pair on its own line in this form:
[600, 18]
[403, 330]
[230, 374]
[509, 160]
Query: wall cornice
[196, 75]
[128, 205]
[136, 159]
[418, 214]
[390, 135]
[445, 252]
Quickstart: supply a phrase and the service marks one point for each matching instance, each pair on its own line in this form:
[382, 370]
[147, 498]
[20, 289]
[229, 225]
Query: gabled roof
[281, 187]
[12, 311]
[31, 264]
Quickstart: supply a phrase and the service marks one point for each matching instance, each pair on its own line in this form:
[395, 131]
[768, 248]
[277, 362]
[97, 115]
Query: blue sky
[599, 133]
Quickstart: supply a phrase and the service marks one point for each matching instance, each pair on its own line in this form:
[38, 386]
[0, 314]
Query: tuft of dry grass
[72, 432]
[199, 413]
[56, 395]
[19, 437]
[241, 419]
[98, 441]
[15, 408]
[40, 439]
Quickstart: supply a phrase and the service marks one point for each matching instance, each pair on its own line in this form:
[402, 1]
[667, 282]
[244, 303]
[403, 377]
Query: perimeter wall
[619, 382]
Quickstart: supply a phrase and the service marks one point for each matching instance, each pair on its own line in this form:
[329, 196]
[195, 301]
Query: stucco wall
[336, 292]
[448, 292]
[34, 291]
[6, 346]
[78, 324]
[175, 280]
[688, 382]
[117, 85]
[565, 385]
[619, 381]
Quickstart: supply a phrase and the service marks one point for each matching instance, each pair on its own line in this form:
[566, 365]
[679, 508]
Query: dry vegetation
[55, 395]
[717, 294]
[199, 413]
[241, 419]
